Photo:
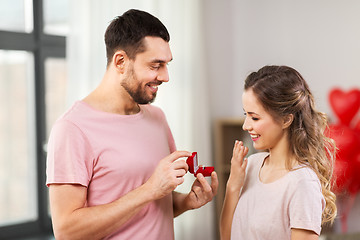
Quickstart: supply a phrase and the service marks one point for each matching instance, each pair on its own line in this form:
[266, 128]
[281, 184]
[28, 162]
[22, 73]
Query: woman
[284, 191]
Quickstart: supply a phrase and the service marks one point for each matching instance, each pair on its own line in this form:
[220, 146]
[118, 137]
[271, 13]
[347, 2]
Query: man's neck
[111, 99]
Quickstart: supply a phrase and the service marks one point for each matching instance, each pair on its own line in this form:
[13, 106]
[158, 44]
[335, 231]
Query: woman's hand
[235, 183]
[238, 167]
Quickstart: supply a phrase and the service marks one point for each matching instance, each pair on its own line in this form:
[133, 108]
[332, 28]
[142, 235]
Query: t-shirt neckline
[113, 115]
[269, 183]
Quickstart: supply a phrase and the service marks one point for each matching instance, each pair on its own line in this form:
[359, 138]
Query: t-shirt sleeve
[171, 140]
[69, 157]
[306, 206]
[170, 137]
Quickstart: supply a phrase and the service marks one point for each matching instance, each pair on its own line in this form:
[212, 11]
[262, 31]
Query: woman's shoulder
[303, 172]
[257, 159]
[259, 156]
[304, 177]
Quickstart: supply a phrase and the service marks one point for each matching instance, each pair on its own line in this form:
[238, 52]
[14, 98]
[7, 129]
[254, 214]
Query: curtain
[184, 99]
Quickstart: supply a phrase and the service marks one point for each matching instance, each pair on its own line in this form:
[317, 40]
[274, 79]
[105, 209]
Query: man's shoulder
[153, 110]
[75, 110]
[72, 116]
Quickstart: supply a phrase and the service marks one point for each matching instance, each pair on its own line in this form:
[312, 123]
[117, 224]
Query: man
[112, 163]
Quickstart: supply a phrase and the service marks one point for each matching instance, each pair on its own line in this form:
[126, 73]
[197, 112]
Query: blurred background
[52, 53]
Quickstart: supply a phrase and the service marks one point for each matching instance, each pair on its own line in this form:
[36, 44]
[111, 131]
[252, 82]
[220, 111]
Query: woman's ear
[119, 60]
[288, 120]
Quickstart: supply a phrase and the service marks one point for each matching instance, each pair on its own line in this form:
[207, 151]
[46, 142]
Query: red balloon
[354, 186]
[346, 140]
[348, 146]
[343, 175]
[357, 126]
[345, 104]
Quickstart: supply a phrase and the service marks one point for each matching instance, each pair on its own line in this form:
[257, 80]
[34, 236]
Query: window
[16, 15]
[55, 92]
[55, 17]
[33, 81]
[17, 148]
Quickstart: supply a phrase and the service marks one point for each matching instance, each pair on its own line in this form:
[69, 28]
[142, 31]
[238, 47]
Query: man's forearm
[99, 221]
[179, 205]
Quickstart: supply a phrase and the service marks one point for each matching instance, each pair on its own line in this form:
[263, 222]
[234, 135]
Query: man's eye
[156, 67]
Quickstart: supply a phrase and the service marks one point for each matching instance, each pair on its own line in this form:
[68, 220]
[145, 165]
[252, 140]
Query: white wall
[321, 39]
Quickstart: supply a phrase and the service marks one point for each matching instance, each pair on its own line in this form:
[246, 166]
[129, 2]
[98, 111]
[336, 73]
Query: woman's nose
[246, 126]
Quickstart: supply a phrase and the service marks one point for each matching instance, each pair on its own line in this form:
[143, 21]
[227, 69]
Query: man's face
[148, 71]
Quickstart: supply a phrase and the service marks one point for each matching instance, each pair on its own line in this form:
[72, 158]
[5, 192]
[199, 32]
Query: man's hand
[201, 191]
[168, 174]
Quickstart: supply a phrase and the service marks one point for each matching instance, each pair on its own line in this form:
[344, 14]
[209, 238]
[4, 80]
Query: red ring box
[194, 167]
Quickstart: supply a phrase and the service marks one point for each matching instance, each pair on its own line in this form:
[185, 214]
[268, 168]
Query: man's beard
[138, 93]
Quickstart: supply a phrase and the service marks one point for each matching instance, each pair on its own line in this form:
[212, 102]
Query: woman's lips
[254, 137]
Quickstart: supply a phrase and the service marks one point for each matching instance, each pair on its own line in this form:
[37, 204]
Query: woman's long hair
[283, 91]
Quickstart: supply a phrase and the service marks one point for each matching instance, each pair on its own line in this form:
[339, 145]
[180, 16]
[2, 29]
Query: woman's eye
[253, 118]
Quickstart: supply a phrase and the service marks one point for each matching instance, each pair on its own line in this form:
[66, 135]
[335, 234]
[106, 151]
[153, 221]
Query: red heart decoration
[346, 164]
[357, 126]
[354, 186]
[343, 174]
[345, 138]
[345, 104]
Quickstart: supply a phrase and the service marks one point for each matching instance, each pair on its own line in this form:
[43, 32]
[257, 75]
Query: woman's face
[265, 132]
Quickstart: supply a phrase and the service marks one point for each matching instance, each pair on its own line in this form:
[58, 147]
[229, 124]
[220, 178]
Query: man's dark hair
[127, 32]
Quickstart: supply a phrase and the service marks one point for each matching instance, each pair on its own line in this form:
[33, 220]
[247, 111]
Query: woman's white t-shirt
[269, 211]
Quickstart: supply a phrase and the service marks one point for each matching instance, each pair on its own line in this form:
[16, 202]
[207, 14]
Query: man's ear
[119, 60]
[287, 120]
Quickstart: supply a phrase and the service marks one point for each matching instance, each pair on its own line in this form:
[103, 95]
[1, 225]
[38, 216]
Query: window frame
[42, 46]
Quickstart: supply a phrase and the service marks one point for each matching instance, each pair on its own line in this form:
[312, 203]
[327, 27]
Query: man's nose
[163, 75]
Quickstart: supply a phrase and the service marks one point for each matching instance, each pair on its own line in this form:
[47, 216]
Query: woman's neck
[281, 156]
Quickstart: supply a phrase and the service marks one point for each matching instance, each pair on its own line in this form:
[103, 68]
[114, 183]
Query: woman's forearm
[227, 213]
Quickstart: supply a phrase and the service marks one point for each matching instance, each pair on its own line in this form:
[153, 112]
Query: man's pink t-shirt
[269, 211]
[111, 155]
